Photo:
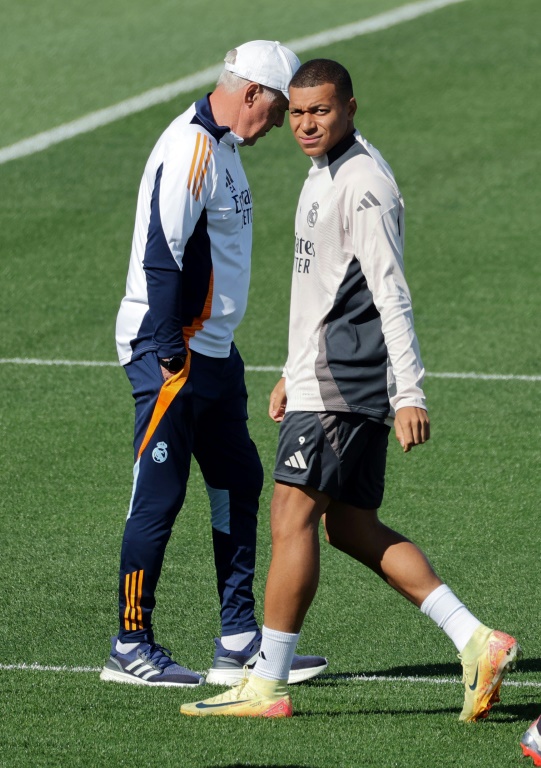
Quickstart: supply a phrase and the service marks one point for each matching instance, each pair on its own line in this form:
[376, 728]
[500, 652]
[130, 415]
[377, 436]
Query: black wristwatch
[173, 364]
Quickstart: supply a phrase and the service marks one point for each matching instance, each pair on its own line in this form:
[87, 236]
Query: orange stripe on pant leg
[139, 597]
[133, 590]
[132, 599]
[127, 595]
[168, 392]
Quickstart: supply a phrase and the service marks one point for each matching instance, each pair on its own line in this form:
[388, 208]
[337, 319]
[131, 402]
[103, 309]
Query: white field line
[37, 361]
[44, 668]
[266, 369]
[346, 678]
[484, 376]
[168, 92]
[424, 680]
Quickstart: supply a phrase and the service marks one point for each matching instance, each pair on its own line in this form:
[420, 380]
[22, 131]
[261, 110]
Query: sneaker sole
[113, 676]
[230, 677]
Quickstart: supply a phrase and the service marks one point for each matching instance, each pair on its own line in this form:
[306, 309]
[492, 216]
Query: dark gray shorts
[341, 454]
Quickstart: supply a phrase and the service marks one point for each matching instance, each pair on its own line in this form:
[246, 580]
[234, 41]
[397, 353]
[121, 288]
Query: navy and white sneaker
[228, 667]
[148, 664]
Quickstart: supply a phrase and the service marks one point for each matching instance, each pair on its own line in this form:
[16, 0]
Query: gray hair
[232, 83]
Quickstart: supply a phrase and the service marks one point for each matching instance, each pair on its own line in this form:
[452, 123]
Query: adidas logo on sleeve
[368, 201]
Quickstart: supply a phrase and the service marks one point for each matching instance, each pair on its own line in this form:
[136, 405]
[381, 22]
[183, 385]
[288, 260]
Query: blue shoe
[227, 667]
[531, 742]
[147, 664]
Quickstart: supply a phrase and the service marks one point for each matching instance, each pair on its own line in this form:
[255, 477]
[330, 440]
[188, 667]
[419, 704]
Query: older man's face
[262, 115]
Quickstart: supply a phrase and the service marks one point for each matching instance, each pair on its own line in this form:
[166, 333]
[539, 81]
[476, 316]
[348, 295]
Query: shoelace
[159, 656]
[236, 691]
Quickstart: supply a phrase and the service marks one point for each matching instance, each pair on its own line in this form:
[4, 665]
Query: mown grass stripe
[165, 93]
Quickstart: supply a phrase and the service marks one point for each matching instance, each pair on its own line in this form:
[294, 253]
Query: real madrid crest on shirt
[312, 215]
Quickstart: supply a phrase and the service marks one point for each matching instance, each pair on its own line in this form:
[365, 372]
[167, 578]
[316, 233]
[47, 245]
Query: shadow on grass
[503, 713]
[511, 713]
[529, 665]
[371, 711]
[418, 670]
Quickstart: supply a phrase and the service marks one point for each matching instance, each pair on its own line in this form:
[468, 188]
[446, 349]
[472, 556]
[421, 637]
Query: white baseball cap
[267, 63]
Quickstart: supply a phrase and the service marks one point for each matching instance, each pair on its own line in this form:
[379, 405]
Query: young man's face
[319, 118]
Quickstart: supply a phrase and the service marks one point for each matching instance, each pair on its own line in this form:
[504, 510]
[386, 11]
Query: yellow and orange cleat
[486, 659]
[253, 697]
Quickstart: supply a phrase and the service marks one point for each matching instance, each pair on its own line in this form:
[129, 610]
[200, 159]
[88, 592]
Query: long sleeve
[377, 237]
[181, 187]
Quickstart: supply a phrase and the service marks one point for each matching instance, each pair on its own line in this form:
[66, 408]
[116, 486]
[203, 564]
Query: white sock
[444, 607]
[125, 647]
[237, 642]
[276, 654]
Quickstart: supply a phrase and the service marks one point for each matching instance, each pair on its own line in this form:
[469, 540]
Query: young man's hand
[412, 427]
[278, 400]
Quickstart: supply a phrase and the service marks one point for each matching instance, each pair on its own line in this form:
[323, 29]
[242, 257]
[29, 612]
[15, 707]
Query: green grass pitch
[452, 101]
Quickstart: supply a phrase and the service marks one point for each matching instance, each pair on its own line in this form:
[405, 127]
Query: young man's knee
[344, 522]
[295, 509]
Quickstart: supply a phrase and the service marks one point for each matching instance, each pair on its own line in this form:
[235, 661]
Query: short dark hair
[320, 71]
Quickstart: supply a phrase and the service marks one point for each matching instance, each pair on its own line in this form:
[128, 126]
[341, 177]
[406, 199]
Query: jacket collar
[204, 116]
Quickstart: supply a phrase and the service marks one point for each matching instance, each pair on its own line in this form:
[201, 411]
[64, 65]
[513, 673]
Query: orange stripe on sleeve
[194, 159]
[203, 173]
[202, 155]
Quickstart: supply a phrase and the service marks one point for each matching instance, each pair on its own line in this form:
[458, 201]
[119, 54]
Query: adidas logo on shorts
[297, 461]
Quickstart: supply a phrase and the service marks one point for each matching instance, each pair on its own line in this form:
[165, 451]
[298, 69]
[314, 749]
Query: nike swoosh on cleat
[474, 686]
[202, 705]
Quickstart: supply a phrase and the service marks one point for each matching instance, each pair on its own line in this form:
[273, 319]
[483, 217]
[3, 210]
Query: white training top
[352, 345]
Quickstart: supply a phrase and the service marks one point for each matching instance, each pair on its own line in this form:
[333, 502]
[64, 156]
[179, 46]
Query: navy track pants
[201, 411]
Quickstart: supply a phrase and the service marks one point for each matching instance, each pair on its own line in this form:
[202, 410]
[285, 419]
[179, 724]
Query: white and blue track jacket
[189, 269]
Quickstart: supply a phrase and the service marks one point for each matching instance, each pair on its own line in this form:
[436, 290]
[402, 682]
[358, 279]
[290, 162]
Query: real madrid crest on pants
[159, 454]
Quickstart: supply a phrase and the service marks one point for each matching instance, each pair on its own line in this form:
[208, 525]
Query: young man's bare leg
[293, 575]
[361, 534]
[294, 570]
[293, 581]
